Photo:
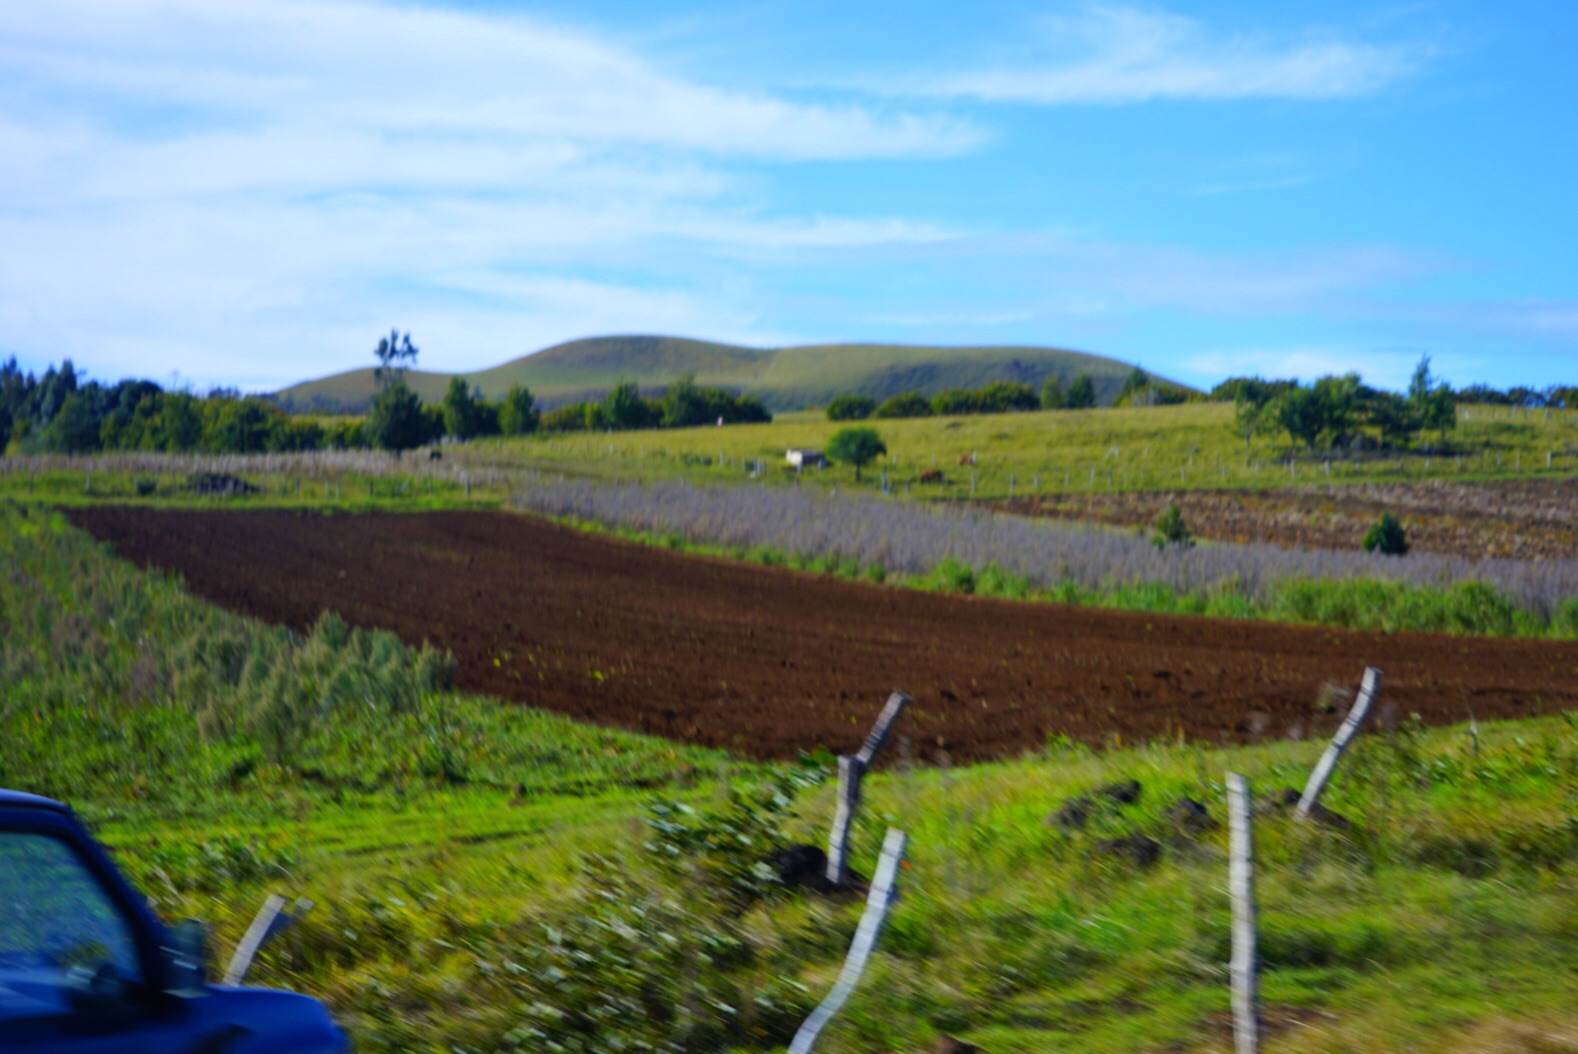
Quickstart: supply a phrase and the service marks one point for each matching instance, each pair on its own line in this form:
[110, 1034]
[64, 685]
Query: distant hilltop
[794, 378]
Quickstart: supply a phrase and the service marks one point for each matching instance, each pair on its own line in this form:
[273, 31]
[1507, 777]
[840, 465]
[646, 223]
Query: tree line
[62, 412]
[1335, 411]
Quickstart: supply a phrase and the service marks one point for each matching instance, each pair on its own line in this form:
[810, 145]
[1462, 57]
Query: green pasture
[493, 878]
[986, 457]
[1185, 447]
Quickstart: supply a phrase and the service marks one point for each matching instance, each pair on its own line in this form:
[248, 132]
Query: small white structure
[805, 458]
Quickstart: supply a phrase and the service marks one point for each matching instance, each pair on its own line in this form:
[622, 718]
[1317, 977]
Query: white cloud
[244, 190]
[1122, 54]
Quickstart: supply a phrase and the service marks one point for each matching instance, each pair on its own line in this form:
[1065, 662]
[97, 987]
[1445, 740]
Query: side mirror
[186, 958]
[96, 991]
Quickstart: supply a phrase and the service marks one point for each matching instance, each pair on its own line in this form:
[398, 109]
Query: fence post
[1244, 968]
[271, 919]
[851, 770]
[883, 893]
[1369, 688]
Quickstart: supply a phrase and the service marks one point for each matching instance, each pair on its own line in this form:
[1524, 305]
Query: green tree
[75, 427]
[625, 408]
[395, 355]
[910, 404]
[955, 401]
[1396, 418]
[1052, 395]
[1135, 383]
[856, 446]
[396, 421]
[1171, 529]
[1433, 404]
[1004, 397]
[851, 408]
[1082, 393]
[180, 424]
[1386, 537]
[518, 414]
[462, 410]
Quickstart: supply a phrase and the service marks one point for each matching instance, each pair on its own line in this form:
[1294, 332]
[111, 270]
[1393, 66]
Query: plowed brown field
[769, 662]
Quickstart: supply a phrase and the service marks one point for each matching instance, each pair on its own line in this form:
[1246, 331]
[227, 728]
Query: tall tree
[462, 410]
[518, 415]
[395, 355]
[396, 422]
[1082, 393]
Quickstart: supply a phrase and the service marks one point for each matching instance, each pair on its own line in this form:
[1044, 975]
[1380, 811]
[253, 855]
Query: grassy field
[985, 458]
[491, 878]
[1189, 447]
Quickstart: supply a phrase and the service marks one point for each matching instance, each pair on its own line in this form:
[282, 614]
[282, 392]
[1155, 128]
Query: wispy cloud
[202, 183]
[1122, 54]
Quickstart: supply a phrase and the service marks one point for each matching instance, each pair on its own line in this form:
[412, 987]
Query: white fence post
[851, 770]
[884, 891]
[1244, 968]
[1369, 688]
[271, 920]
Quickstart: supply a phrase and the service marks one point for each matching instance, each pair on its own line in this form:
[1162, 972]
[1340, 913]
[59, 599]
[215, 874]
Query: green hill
[793, 378]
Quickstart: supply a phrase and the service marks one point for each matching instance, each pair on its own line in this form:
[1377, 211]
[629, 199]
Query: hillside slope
[793, 378]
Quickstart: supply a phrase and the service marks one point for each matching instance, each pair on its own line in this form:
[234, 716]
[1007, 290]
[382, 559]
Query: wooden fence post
[1369, 688]
[851, 770]
[1241, 884]
[271, 920]
[884, 891]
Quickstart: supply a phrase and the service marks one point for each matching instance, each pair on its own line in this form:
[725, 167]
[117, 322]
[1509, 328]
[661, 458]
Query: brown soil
[770, 662]
[1529, 519]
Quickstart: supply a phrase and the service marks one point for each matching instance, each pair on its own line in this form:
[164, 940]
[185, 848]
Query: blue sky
[248, 192]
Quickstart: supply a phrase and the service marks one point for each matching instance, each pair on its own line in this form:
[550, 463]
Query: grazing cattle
[932, 475]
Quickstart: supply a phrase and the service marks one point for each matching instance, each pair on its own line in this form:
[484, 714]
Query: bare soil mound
[769, 662]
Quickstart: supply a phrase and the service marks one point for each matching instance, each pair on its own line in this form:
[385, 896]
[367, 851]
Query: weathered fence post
[271, 920]
[883, 893]
[1241, 885]
[851, 770]
[1368, 689]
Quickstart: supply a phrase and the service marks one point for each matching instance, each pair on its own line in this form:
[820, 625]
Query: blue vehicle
[87, 968]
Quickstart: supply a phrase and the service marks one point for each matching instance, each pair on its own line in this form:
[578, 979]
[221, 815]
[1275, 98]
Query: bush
[851, 408]
[1171, 529]
[1386, 537]
[910, 404]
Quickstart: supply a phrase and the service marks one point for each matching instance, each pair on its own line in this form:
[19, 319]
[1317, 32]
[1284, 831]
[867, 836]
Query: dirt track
[770, 661]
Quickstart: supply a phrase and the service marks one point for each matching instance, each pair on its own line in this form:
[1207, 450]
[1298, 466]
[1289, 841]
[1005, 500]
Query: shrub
[1171, 529]
[910, 404]
[851, 408]
[1386, 537]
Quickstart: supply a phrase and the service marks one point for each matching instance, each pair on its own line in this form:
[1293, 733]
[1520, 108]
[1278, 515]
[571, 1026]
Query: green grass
[481, 869]
[785, 379]
[1469, 608]
[1167, 448]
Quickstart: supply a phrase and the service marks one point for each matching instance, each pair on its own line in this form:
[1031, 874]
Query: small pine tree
[1386, 537]
[1171, 529]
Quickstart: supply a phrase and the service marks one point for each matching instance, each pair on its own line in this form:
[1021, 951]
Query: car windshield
[57, 926]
